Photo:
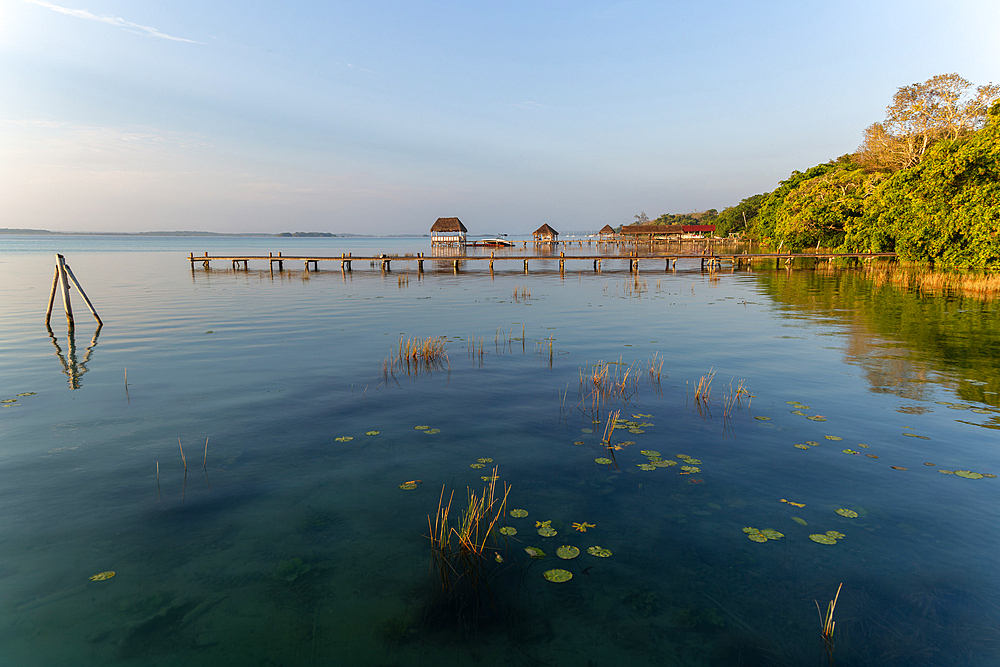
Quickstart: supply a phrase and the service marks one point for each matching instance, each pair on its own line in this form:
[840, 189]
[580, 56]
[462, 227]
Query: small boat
[499, 241]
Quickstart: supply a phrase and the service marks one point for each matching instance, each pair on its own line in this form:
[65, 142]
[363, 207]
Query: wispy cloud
[528, 105]
[110, 20]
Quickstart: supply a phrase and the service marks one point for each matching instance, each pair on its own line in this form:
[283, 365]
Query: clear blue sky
[379, 117]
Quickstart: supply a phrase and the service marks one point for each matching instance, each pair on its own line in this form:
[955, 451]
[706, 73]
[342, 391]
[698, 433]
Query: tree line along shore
[925, 183]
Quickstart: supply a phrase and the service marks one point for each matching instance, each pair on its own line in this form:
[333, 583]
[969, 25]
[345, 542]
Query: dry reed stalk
[205, 462]
[703, 392]
[182, 454]
[828, 624]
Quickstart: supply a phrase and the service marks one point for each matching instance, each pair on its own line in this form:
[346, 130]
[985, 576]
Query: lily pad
[958, 407]
[928, 463]
[421, 428]
[897, 467]
[757, 537]
[799, 413]
[683, 457]
[816, 418]
[763, 419]
[649, 452]
[990, 475]
[871, 456]
[603, 460]
[586, 430]
[636, 431]
[833, 437]
[489, 478]
[792, 402]
[558, 576]
[914, 435]
[772, 534]
[9, 400]
[801, 446]
[372, 432]
[835, 535]
[519, 513]
[812, 443]
[579, 442]
[862, 445]
[508, 530]
[599, 552]
[28, 393]
[850, 514]
[547, 531]
[694, 462]
[968, 474]
[102, 576]
[567, 552]
[477, 465]
[850, 451]
[432, 431]
[534, 552]
[484, 460]
[691, 469]
[344, 438]
[978, 411]
[663, 464]
[646, 466]
[947, 472]
[626, 443]
[800, 521]
[801, 407]
[408, 486]
[822, 539]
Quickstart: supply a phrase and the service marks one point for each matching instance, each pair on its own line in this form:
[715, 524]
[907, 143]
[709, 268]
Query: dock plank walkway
[708, 260]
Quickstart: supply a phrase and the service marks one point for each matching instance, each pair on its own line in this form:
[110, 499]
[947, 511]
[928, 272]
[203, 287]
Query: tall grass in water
[734, 397]
[413, 355]
[981, 285]
[703, 391]
[605, 381]
[465, 554]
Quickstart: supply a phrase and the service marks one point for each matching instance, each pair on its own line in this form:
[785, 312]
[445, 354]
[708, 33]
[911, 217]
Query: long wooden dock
[711, 261]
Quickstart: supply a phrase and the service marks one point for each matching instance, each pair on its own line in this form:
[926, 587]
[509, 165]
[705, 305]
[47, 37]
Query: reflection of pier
[73, 368]
[708, 261]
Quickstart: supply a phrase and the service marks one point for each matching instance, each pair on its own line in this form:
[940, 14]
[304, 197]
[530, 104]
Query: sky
[379, 117]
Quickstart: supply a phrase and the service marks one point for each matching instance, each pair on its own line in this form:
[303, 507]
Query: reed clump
[415, 355]
[466, 553]
[703, 390]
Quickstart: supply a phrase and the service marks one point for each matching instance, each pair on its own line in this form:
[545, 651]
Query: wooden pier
[709, 262]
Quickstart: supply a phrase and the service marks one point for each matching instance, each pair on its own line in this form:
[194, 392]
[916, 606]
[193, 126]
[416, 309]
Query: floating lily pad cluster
[480, 463]
[545, 528]
[13, 402]
[344, 438]
[799, 407]
[829, 537]
[762, 535]
[850, 514]
[633, 426]
[968, 474]
[565, 551]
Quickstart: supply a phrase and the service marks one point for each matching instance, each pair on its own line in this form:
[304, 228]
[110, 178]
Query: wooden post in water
[491, 261]
[420, 263]
[64, 288]
[52, 294]
[76, 282]
[526, 266]
[562, 262]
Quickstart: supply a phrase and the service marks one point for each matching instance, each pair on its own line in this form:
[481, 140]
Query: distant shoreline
[46, 232]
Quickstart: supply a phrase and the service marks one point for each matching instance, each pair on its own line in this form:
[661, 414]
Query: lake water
[291, 547]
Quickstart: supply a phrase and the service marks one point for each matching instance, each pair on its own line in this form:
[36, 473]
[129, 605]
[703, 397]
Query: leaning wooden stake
[182, 454]
[52, 295]
[76, 282]
[64, 287]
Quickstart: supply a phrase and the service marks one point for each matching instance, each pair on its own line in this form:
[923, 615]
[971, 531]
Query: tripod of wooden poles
[60, 280]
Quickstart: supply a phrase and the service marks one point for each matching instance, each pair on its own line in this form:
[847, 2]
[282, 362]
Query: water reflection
[72, 368]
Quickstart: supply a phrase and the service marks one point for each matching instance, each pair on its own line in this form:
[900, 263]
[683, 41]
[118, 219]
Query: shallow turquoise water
[272, 368]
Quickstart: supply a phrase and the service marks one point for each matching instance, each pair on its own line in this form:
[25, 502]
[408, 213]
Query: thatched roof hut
[545, 233]
[448, 225]
[448, 232]
[606, 231]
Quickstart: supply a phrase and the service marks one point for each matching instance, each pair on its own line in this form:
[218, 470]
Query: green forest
[924, 183]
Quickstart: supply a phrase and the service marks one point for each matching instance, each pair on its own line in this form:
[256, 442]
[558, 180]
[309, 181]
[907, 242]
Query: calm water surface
[291, 547]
